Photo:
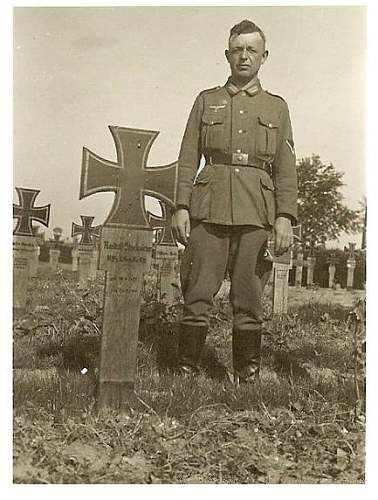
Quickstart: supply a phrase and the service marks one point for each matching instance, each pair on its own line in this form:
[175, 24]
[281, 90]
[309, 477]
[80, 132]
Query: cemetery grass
[299, 424]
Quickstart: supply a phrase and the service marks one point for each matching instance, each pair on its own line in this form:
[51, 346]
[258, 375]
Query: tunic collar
[252, 87]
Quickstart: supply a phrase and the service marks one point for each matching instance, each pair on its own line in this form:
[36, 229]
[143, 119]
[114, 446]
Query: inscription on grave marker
[125, 256]
[281, 266]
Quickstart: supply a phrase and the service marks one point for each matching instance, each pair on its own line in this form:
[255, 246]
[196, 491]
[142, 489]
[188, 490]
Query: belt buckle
[240, 158]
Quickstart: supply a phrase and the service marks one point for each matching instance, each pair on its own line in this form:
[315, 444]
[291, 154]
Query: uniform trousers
[212, 251]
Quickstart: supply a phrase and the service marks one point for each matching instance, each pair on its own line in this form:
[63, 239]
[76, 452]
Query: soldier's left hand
[283, 235]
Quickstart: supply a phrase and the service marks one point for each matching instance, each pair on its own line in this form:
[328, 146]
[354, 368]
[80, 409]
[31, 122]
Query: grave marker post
[38, 241]
[86, 247]
[54, 251]
[94, 262]
[35, 260]
[299, 267]
[281, 266]
[311, 261]
[332, 261]
[54, 254]
[24, 243]
[166, 256]
[125, 253]
[75, 255]
[351, 266]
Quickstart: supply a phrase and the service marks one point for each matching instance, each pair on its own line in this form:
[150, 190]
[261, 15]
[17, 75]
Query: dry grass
[298, 425]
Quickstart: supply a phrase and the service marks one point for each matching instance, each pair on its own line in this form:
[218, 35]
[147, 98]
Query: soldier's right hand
[181, 225]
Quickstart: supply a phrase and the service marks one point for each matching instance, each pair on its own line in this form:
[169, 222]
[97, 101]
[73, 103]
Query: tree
[321, 210]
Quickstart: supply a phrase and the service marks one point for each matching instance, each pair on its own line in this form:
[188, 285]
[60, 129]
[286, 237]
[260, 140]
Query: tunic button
[238, 150]
[240, 131]
[270, 125]
[241, 111]
[243, 93]
[237, 170]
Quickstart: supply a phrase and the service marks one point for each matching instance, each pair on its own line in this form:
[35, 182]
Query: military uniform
[248, 180]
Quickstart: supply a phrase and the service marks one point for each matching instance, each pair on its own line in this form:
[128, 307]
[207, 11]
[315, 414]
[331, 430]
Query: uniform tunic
[245, 135]
[248, 180]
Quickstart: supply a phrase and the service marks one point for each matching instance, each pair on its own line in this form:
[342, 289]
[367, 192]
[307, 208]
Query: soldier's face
[245, 54]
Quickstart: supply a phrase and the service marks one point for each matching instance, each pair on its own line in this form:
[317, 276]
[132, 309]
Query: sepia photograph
[189, 244]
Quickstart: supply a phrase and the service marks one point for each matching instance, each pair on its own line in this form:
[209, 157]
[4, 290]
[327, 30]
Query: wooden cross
[86, 250]
[125, 252]
[166, 256]
[26, 212]
[86, 231]
[25, 244]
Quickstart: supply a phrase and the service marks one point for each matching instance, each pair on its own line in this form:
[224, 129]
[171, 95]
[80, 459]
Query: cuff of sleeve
[180, 205]
[291, 218]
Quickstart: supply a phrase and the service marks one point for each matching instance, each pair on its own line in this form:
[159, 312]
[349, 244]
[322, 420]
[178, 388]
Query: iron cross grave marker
[25, 243]
[125, 252]
[87, 254]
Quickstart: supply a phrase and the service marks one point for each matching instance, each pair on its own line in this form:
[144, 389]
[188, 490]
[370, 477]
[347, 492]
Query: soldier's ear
[227, 54]
[265, 56]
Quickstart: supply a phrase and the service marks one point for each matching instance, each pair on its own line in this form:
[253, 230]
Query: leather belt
[239, 159]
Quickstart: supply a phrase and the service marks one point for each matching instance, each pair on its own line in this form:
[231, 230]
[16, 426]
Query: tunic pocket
[267, 191]
[212, 133]
[266, 138]
[201, 195]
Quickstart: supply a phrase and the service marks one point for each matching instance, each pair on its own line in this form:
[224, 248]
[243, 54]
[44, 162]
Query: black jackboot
[191, 342]
[246, 354]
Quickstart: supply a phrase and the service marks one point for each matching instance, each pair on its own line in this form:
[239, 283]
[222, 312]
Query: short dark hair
[246, 26]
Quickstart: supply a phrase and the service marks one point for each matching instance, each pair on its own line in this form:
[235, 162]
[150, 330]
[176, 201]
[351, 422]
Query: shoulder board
[206, 91]
[276, 95]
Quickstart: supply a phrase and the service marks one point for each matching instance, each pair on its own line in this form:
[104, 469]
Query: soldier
[225, 212]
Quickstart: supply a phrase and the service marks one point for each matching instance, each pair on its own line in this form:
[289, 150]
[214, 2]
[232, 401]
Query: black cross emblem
[129, 178]
[86, 231]
[26, 212]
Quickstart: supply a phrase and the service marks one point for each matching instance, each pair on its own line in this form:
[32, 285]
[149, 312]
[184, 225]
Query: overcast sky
[78, 70]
